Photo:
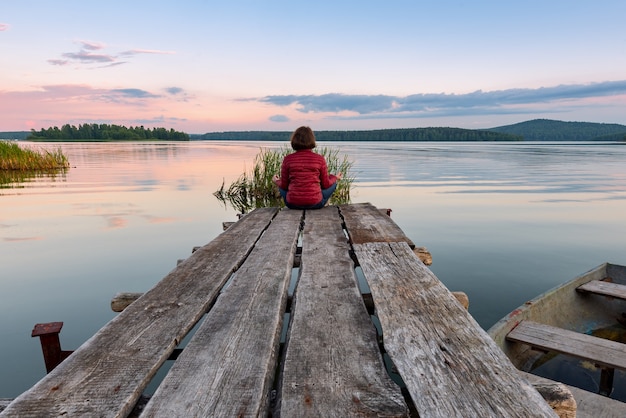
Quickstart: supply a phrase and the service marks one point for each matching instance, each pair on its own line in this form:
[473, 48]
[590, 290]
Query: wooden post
[122, 300]
[424, 255]
[48, 334]
[606, 380]
[559, 397]
[462, 298]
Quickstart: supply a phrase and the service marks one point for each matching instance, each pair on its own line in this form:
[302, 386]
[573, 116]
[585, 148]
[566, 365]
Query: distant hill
[554, 130]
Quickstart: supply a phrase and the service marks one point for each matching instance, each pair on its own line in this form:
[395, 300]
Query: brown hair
[303, 138]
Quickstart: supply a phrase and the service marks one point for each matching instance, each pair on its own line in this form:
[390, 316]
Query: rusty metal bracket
[48, 334]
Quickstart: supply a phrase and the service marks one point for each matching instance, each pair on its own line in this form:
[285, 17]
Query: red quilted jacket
[304, 174]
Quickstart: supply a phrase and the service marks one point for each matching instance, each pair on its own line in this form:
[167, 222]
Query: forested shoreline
[532, 130]
[408, 134]
[105, 132]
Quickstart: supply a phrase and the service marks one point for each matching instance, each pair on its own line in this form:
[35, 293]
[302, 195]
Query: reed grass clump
[14, 157]
[255, 189]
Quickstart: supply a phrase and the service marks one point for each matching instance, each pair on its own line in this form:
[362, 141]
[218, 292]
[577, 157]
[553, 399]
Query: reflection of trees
[15, 179]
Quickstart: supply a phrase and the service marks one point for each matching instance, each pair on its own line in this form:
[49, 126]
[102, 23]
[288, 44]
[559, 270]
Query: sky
[211, 66]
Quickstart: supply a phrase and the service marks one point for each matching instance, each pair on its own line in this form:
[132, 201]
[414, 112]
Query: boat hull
[563, 307]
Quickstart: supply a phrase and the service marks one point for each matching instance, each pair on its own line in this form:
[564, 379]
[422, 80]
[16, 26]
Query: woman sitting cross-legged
[304, 181]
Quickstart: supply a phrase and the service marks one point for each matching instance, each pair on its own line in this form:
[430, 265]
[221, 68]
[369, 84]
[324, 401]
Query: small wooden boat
[583, 319]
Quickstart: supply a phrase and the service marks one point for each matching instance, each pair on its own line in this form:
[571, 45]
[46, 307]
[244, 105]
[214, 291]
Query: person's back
[304, 181]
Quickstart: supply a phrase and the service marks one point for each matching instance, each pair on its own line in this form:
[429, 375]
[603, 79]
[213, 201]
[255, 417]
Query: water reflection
[504, 223]
[20, 179]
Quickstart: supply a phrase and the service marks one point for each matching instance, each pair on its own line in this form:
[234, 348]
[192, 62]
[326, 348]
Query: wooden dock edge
[584, 403]
[446, 345]
[442, 347]
[4, 403]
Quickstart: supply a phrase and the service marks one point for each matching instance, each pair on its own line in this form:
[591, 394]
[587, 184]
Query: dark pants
[326, 194]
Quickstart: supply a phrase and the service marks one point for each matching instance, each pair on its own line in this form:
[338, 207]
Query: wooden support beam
[462, 298]
[424, 255]
[48, 334]
[559, 397]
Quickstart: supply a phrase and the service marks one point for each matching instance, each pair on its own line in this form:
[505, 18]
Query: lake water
[503, 221]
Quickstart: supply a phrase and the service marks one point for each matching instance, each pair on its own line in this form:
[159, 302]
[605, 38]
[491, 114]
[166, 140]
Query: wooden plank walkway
[107, 374]
[450, 365]
[333, 366]
[330, 364]
[237, 344]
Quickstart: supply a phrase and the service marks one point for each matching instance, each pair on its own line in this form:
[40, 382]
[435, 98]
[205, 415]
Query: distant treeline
[104, 132]
[413, 134]
[554, 130]
[532, 130]
[14, 135]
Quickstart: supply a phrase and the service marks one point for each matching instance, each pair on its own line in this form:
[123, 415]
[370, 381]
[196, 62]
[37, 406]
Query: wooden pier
[331, 362]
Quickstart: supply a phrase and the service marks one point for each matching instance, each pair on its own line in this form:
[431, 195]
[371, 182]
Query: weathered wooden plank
[227, 369]
[546, 337]
[332, 366]
[602, 287]
[4, 402]
[451, 367]
[365, 223]
[108, 373]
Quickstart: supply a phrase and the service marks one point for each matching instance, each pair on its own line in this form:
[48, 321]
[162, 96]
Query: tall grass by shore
[256, 188]
[14, 157]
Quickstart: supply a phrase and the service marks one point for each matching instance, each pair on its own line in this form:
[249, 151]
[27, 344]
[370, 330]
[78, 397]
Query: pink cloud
[4, 27]
[66, 91]
[58, 104]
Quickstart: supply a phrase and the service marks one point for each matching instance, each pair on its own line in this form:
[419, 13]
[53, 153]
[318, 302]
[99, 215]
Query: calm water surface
[503, 221]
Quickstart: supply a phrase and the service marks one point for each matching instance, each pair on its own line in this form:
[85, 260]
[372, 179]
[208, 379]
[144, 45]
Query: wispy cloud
[179, 94]
[65, 90]
[133, 93]
[279, 118]
[58, 62]
[174, 90]
[87, 55]
[159, 120]
[92, 46]
[478, 102]
[81, 95]
[4, 27]
[75, 91]
[132, 52]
